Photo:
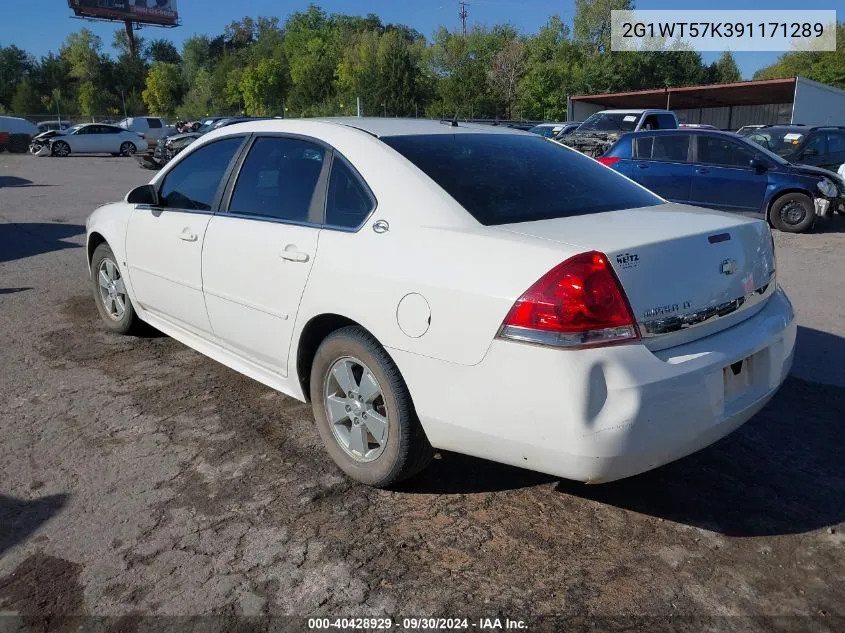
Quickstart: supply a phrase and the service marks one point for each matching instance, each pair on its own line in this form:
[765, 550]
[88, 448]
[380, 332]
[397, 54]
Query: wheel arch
[94, 240]
[315, 331]
[780, 194]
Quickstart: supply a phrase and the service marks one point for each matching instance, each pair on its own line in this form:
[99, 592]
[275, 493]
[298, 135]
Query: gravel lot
[138, 477]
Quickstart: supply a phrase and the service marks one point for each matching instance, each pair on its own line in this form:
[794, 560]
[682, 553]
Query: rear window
[505, 178]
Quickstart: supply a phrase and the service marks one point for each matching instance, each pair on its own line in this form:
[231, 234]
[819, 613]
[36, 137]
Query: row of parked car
[790, 174]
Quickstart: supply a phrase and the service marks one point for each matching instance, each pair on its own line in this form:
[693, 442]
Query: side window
[193, 181]
[650, 123]
[642, 147]
[154, 123]
[715, 150]
[815, 146]
[836, 142]
[666, 121]
[278, 179]
[671, 147]
[348, 204]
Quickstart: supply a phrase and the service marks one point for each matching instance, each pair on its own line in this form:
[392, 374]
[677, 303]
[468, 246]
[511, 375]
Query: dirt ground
[139, 478]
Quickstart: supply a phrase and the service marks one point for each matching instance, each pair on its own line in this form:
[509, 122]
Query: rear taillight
[608, 160]
[578, 303]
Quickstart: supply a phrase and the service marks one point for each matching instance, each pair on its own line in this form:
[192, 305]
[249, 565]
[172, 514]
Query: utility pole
[463, 14]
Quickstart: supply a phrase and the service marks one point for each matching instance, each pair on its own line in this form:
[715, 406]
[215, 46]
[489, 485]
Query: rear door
[257, 256]
[106, 140]
[723, 177]
[661, 164]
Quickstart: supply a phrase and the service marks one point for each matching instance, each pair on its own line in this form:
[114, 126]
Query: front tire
[128, 149]
[61, 149]
[793, 213]
[364, 412]
[110, 295]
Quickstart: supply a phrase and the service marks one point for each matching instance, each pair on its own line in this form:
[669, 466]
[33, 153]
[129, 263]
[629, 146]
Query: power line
[463, 14]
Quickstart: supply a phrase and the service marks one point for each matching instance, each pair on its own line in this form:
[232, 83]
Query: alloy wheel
[356, 409]
[112, 289]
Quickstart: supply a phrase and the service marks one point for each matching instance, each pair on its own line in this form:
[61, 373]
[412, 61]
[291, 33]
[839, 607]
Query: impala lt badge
[729, 267]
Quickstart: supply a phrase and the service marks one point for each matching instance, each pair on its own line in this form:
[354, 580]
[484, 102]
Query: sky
[40, 26]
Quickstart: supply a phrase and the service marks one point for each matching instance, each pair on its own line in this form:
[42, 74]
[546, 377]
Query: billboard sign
[160, 12]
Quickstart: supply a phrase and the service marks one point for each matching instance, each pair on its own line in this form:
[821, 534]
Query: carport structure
[729, 106]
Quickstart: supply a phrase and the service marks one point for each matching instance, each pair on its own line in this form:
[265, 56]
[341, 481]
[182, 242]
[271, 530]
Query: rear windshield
[505, 178]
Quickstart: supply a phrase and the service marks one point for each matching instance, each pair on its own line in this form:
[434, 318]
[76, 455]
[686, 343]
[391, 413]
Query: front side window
[506, 178]
[715, 150]
[154, 123]
[278, 179]
[815, 146]
[193, 182]
[836, 142]
[347, 204]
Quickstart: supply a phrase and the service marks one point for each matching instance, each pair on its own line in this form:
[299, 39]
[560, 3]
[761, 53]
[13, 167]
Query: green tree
[199, 98]
[164, 88]
[15, 64]
[264, 86]
[162, 51]
[26, 100]
[196, 57]
[591, 25]
[823, 66]
[724, 69]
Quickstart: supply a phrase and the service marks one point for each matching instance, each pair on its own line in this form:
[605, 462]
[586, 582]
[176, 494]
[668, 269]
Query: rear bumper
[600, 414]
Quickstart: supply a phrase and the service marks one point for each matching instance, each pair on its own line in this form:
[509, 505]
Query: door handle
[187, 236]
[292, 254]
[642, 165]
[702, 170]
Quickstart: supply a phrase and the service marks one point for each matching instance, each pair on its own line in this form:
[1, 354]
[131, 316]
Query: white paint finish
[164, 257]
[625, 408]
[413, 315]
[252, 292]
[81, 142]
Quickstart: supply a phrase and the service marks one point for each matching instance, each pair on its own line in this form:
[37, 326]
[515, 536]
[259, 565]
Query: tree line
[316, 63]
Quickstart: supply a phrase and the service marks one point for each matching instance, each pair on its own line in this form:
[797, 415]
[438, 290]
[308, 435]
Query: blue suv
[720, 170]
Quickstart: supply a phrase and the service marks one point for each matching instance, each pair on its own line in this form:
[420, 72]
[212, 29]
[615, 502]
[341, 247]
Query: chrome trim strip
[703, 316]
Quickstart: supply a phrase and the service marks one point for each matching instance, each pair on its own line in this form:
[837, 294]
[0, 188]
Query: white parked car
[94, 138]
[470, 288]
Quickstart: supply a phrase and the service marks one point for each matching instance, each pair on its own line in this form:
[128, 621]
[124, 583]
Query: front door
[723, 177]
[164, 243]
[258, 255]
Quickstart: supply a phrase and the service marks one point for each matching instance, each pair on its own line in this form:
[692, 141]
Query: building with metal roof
[729, 106]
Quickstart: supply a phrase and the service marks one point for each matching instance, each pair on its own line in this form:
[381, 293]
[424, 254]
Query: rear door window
[193, 182]
[506, 178]
[671, 147]
[154, 123]
[642, 147]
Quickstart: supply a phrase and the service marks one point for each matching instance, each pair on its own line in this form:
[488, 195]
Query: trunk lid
[687, 272]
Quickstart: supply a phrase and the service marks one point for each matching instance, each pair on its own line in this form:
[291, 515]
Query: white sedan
[95, 138]
[438, 286]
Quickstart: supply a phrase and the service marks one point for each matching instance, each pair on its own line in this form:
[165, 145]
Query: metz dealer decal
[628, 260]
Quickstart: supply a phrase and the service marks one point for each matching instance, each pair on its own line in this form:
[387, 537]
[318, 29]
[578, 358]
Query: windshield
[781, 142]
[505, 178]
[610, 122]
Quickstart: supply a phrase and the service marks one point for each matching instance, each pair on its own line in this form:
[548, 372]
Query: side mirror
[145, 194]
[758, 165]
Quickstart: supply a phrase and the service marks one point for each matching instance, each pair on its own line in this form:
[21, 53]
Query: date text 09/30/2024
[416, 624]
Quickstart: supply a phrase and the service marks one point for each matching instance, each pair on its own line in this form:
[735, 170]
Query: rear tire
[793, 213]
[127, 149]
[402, 450]
[110, 295]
